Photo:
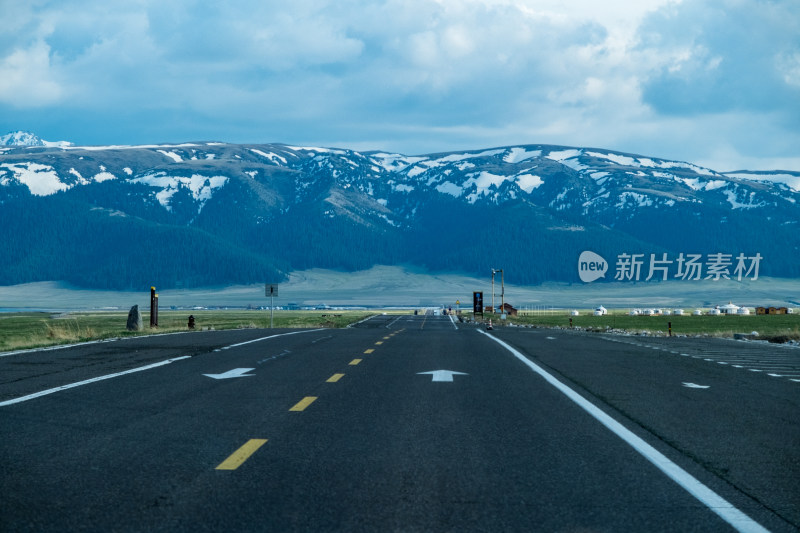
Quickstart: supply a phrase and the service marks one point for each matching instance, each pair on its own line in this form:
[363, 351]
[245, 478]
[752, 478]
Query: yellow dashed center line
[378, 343]
[387, 337]
[369, 350]
[354, 362]
[302, 404]
[334, 378]
[241, 455]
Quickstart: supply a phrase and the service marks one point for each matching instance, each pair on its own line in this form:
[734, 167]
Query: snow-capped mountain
[273, 208]
[26, 138]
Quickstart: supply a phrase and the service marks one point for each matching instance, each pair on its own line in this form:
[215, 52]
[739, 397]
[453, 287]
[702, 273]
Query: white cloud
[27, 79]
[414, 76]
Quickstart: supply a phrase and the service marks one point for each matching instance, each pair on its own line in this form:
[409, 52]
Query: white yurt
[714, 312]
[600, 311]
[728, 309]
[678, 312]
[697, 312]
[743, 311]
[574, 312]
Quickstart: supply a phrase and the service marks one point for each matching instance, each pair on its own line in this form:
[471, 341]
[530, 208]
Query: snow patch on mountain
[790, 180]
[271, 156]
[103, 176]
[41, 180]
[394, 162]
[633, 198]
[482, 183]
[172, 155]
[528, 182]
[450, 188]
[518, 154]
[563, 155]
[201, 187]
[735, 204]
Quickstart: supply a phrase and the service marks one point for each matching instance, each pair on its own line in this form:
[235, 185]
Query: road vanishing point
[401, 423]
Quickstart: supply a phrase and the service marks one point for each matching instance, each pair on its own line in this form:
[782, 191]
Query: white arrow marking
[695, 386]
[443, 375]
[235, 373]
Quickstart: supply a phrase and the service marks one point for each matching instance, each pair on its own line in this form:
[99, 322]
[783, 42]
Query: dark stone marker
[135, 322]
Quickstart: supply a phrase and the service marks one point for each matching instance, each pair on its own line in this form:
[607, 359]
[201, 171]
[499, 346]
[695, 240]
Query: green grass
[767, 326]
[31, 330]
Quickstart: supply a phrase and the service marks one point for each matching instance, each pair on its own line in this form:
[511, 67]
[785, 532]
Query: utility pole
[493, 291]
[502, 289]
[271, 290]
[502, 292]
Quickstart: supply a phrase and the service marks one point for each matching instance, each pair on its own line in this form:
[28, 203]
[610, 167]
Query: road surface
[401, 423]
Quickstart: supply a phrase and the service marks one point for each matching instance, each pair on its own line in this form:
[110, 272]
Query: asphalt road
[355, 430]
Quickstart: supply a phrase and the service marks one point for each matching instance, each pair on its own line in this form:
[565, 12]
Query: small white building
[635, 312]
[714, 312]
[574, 312]
[697, 312]
[728, 309]
[600, 311]
[743, 311]
[678, 312]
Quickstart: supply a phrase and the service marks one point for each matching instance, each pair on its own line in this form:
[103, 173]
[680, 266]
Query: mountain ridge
[281, 208]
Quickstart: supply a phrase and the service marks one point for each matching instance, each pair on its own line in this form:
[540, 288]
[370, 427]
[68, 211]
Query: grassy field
[767, 326]
[29, 330]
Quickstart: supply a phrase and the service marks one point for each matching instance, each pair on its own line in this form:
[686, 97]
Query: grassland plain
[33, 330]
[769, 327]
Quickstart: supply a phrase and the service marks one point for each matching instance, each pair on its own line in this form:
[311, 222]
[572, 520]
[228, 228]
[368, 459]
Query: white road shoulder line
[716, 503]
[270, 337]
[86, 382]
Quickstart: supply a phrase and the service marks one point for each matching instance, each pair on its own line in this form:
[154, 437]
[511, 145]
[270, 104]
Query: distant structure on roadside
[774, 311]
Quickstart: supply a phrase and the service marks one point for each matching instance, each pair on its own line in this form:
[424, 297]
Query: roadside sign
[477, 303]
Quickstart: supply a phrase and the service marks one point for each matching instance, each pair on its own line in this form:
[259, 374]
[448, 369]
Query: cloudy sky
[714, 82]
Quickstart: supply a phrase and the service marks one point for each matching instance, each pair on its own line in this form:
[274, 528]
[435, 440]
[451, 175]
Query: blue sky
[714, 82]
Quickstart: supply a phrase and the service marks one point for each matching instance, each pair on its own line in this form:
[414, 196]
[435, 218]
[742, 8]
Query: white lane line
[716, 503]
[361, 321]
[270, 337]
[453, 320]
[86, 382]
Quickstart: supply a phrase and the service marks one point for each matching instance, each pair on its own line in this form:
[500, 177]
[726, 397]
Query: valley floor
[390, 286]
